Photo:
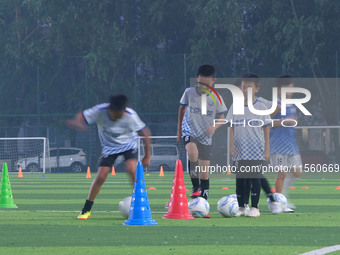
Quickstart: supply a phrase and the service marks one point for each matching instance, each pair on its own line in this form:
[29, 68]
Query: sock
[247, 192]
[255, 192]
[205, 189]
[265, 185]
[87, 206]
[289, 181]
[240, 191]
[194, 175]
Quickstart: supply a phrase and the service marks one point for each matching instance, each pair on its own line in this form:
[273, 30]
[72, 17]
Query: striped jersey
[194, 123]
[248, 133]
[282, 139]
[115, 136]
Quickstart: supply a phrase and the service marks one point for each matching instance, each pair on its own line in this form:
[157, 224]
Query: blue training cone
[140, 213]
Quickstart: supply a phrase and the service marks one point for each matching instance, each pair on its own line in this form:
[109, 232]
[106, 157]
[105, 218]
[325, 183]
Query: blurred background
[60, 57]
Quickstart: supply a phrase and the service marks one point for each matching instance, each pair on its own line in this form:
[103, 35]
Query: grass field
[45, 222]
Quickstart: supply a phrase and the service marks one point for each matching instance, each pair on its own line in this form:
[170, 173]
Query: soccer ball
[228, 206]
[278, 197]
[124, 207]
[199, 207]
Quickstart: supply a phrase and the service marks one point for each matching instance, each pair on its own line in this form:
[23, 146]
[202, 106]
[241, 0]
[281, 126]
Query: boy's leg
[131, 165]
[95, 187]
[280, 178]
[266, 187]
[192, 151]
[240, 189]
[255, 191]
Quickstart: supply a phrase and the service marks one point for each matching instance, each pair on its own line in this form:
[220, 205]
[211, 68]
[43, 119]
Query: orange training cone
[88, 174]
[113, 171]
[161, 172]
[338, 187]
[20, 173]
[178, 205]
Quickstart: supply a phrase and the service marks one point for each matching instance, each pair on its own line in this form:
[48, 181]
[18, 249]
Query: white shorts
[286, 161]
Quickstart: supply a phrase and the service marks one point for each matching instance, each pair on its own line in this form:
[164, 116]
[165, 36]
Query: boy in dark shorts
[117, 129]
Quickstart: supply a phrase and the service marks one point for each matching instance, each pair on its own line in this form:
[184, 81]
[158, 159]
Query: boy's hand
[146, 161]
[232, 151]
[267, 155]
[210, 130]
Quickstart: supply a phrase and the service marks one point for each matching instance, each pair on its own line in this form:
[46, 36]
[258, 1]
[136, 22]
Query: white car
[72, 159]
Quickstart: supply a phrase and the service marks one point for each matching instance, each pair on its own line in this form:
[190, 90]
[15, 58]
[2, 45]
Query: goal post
[29, 153]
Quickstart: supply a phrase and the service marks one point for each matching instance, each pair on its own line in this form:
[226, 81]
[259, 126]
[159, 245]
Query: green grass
[45, 222]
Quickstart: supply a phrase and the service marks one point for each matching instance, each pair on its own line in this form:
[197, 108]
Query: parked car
[71, 159]
[161, 155]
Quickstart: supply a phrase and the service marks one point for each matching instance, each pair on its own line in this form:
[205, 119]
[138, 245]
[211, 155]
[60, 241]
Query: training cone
[88, 174]
[161, 172]
[338, 187]
[178, 205]
[20, 173]
[113, 171]
[6, 198]
[140, 213]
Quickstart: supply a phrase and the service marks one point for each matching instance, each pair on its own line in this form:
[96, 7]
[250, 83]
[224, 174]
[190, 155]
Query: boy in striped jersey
[117, 130]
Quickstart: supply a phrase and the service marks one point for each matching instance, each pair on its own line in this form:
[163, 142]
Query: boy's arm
[266, 131]
[181, 113]
[277, 110]
[211, 129]
[232, 150]
[147, 148]
[78, 122]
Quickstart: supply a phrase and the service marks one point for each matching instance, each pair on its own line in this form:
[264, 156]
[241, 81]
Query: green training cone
[6, 198]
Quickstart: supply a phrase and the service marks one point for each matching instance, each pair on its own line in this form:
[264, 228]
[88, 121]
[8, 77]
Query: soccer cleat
[84, 216]
[288, 210]
[207, 216]
[167, 205]
[254, 212]
[196, 193]
[241, 212]
[276, 207]
[246, 208]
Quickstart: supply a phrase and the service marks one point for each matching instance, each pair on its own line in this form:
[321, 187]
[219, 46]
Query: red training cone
[273, 190]
[178, 205]
[292, 187]
[305, 187]
[338, 187]
[152, 188]
[225, 188]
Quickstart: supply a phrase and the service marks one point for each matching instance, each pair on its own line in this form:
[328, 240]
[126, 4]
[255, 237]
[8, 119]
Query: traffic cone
[140, 213]
[178, 205]
[6, 197]
[113, 171]
[88, 174]
[161, 172]
[20, 173]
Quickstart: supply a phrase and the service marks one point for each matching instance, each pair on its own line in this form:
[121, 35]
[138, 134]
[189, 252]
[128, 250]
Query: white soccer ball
[199, 207]
[124, 207]
[278, 197]
[228, 206]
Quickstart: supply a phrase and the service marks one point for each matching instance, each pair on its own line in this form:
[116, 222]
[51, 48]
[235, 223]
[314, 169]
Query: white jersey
[248, 135]
[194, 123]
[115, 135]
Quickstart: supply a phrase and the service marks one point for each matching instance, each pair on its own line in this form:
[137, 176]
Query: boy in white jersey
[249, 144]
[197, 129]
[284, 151]
[117, 130]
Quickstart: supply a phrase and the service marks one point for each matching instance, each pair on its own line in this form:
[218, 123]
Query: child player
[275, 207]
[249, 145]
[197, 129]
[284, 151]
[117, 129]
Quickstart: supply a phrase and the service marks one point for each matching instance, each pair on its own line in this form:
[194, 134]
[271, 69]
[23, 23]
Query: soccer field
[45, 221]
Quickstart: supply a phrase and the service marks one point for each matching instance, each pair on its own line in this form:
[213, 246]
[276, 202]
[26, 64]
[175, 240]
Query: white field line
[323, 250]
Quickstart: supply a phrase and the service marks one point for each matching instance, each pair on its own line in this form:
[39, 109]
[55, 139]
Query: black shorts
[110, 159]
[204, 151]
[249, 168]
